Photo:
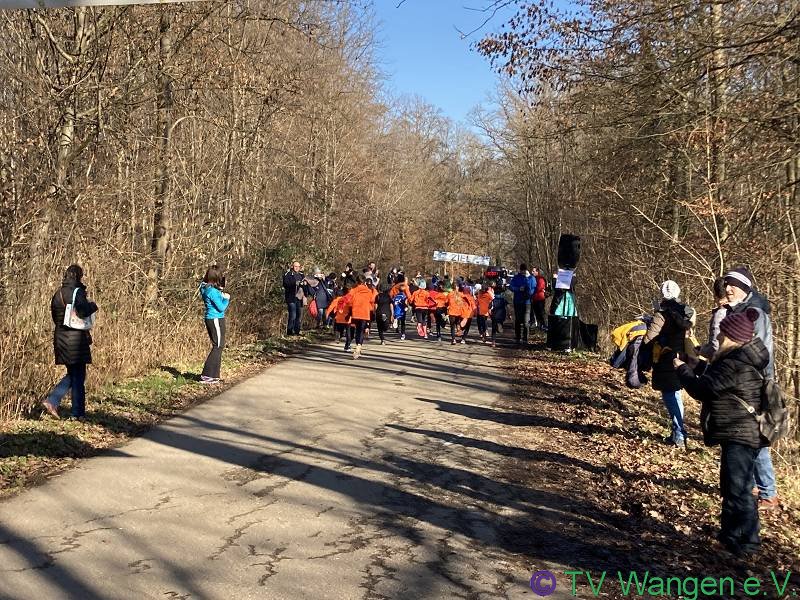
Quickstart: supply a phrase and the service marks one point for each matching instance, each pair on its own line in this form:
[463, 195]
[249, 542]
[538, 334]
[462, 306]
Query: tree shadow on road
[540, 524]
[517, 419]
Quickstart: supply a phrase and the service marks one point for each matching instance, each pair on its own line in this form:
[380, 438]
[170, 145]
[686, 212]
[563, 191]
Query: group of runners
[359, 300]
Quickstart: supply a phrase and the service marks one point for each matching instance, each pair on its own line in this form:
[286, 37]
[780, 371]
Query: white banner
[14, 4]
[469, 259]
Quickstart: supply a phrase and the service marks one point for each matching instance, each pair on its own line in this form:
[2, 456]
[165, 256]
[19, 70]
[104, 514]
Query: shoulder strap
[746, 406]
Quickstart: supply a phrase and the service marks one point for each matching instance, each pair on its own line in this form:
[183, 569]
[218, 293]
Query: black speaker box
[569, 251]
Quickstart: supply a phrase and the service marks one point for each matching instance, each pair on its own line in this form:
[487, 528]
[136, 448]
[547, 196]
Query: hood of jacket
[680, 314]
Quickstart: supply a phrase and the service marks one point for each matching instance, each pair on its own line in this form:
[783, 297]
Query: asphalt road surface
[323, 477]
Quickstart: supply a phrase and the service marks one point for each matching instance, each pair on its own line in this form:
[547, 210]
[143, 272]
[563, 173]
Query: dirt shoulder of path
[35, 448]
[581, 431]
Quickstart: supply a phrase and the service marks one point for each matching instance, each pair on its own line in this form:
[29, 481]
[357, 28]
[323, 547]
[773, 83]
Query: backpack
[773, 418]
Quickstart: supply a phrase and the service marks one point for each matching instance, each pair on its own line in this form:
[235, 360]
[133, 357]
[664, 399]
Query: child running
[499, 311]
[420, 299]
[341, 312]
[485, 297]
[361, 300]
[439, 297]
[371, 283]
[383, 312]
[456, 306]
[468, 311]
[399, 301]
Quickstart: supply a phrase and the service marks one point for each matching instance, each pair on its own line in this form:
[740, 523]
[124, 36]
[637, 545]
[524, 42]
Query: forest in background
[147, 142]
[667, 135]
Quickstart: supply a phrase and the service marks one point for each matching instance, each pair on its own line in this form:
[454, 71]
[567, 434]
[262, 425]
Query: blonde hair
[726, 345]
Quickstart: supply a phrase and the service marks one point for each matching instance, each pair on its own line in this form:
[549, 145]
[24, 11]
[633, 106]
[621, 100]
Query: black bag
[773, 418]
[588, 336]
[563, 333]
[569, 251]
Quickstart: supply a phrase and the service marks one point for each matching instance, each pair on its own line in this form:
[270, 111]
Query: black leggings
[216, 331]
[440, 321]
[482, 325]
[495, 326]
[454, 321]
[401, 325]
[465, 329]
[383, 325]
[360, 325]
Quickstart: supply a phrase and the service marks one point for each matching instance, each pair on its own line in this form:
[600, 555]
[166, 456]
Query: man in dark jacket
[730, 385]
[523, 284]
[668, 329]
[742, 296]
[293, 294]
[71, 346]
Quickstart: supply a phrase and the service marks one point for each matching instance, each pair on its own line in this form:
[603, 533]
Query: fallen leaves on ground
[605, 447]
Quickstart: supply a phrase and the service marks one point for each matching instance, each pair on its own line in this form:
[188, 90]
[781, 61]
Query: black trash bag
[563, 333]
[588, 336]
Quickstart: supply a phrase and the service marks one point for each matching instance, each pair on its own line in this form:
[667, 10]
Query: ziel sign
[469, 259]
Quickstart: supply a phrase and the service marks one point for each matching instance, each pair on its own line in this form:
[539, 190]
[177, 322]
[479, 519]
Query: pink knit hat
[740, 326]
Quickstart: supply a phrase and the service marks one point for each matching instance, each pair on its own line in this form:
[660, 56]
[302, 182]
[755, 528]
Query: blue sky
[423, 54]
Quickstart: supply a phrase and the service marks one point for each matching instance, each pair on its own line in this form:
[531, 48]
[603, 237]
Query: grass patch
[33, 448]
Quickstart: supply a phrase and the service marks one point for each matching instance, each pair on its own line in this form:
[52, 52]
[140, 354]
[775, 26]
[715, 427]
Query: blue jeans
[295, 309]
[765, 475]
[674, 404]
[74, 380]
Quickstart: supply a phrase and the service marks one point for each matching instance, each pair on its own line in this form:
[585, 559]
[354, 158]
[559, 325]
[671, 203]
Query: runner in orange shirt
[439, 297]
[361, 301]
[421, 299]
[468, 312]
[342, 317]
[484, 298]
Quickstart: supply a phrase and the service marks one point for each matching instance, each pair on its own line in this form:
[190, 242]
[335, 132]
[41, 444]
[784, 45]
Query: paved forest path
[322, 477]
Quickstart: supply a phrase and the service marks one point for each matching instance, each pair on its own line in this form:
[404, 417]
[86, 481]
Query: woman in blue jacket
[216, 302]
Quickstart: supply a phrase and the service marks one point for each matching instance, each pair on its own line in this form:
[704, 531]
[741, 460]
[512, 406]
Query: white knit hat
[670, 290]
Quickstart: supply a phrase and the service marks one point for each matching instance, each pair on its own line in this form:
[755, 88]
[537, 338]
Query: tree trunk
[162, 214]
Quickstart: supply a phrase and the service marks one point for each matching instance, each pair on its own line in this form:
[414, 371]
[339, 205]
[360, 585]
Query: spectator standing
[216, 302]
[730, 384]
[538, 299]
[72, 347]
[719, 312]
[742, 295]
[293, 295]
[668, 329]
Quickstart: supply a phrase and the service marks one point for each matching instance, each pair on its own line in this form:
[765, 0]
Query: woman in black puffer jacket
[71, 346]
[734, 377]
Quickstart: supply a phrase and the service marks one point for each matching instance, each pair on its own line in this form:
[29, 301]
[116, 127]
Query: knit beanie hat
[740, 277]
[740, 326]
[670, 290]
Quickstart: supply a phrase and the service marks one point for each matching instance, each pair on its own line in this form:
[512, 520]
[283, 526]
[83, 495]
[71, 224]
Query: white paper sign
[564, 279]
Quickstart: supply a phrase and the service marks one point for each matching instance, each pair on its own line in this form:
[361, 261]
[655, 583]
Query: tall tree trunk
[162, 215]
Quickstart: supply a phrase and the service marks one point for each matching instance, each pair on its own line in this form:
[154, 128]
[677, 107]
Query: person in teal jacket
[216, 302]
